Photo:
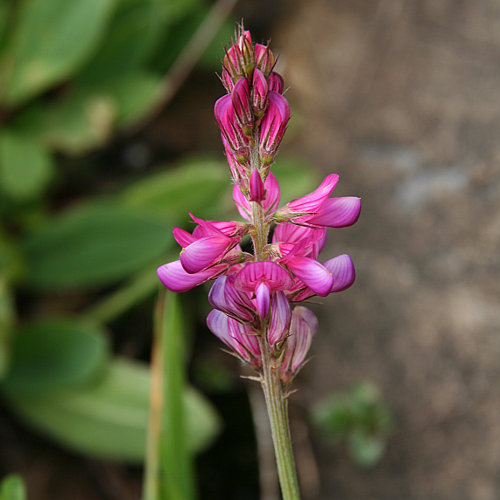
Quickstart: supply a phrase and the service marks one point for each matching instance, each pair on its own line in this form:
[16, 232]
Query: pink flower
[304, 325]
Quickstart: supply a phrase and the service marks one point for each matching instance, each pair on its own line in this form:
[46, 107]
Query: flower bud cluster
[253, 112]
[255, 296]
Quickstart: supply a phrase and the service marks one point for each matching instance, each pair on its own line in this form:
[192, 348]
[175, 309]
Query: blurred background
[107, 140]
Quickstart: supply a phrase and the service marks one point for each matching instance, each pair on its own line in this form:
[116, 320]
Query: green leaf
[12, 488]
[109, 419]
[94, 245]
[7, 318]
[131, 36]
[25, 168]
[80, 119]
[198, 186]
[51, 40]
[54, 355]
[296, 178]
[134, 94]
[176, 467]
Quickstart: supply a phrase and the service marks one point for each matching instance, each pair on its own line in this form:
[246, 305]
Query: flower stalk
[255, 296]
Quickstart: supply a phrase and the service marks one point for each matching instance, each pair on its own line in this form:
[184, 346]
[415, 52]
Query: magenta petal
[311, 202]
[312, 273]
[273, 194]
[256, 186]
[255, 272]
[280, 317]
[337, 212]
[203, 252]
[225, 297]
[262, 296]
[175, 278]
[244, 341]
[242, 204]
[183, 237]
[342, 270]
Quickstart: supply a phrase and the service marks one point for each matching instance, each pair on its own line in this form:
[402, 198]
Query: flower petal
[269, 272]
[281, 315]
[337, 212]
[312, 201]
[262, 297]
[175, 278]
[342, 270]
[312, 273]
[203, 252]
[224, 296]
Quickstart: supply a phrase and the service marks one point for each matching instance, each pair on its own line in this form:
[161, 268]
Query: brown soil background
[402, 99]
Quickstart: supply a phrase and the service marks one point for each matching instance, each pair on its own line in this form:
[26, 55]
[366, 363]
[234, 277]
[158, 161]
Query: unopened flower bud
[237, 141]
[257, 190]
[260, 93]
[226, 80]
[240, 97]
[264, 59]
[275, 82]
[273, 127]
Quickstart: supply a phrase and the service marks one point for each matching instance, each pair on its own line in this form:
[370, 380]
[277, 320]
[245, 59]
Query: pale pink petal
[312, 273]
[175, 278]
[262, 297]
[337, 212]
[342, 270]
[279, 319]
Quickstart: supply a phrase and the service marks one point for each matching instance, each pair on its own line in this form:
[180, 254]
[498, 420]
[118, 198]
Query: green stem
[277, 408]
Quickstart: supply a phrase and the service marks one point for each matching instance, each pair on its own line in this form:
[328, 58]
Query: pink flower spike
[276, 83]
[312, 273]
[337, 212]
[279, 319]
[342, 270]
[242, 203]
[313, 201]
[257, 190]
[262, 297]
[276, 277]
[176, 279]
[203, 252]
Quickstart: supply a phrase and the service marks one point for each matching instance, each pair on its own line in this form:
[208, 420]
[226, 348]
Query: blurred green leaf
[134, 94]
[131, 36]
[109, 419]
[80, 119]
[86, 115]
[51, 40]
[365, 449]
[94, 245]
[176, 467]
[196, 186]
[296, 178]
[25, 168]
[54, 355]
[361, 417]
[12, 488]
[4, 20]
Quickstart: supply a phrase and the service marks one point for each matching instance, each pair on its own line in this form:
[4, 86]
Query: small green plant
[361, 418]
